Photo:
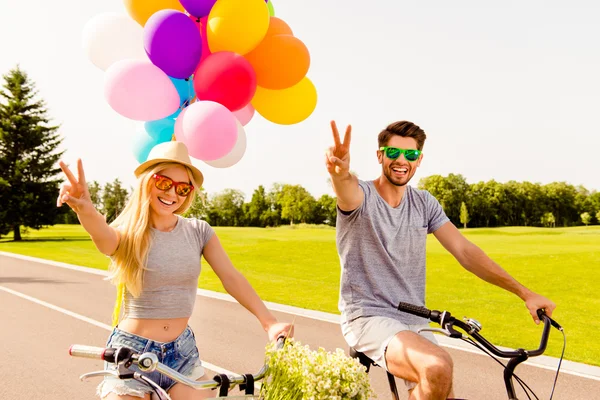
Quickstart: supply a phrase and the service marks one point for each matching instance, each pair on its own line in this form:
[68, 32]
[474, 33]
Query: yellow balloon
[141, 10]
[237, 25]
[287, 106]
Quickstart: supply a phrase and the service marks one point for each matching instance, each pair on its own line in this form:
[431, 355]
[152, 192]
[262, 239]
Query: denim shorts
[181, 355]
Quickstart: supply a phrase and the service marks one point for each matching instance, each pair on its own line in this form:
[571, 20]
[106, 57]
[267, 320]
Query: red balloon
[226, 78]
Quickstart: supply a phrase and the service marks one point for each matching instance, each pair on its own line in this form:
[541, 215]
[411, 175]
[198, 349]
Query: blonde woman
[155, 254]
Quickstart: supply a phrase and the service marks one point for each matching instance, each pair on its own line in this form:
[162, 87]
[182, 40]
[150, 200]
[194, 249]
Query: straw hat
[173, 151]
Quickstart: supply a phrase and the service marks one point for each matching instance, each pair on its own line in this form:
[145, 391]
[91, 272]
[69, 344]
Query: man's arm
[474, 260]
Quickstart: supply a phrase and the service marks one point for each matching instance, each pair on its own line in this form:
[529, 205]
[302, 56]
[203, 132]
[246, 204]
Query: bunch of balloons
[197, 70]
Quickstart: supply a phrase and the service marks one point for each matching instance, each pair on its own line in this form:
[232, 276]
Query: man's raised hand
[337, 157]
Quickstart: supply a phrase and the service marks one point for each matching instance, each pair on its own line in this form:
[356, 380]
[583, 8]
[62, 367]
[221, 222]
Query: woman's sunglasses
[161, 182]
[393, 153]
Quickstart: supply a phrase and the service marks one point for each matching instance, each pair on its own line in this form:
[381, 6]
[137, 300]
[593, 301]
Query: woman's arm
[238, 286]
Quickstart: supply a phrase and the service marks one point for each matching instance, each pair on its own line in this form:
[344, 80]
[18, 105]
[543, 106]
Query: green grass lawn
[300, 267]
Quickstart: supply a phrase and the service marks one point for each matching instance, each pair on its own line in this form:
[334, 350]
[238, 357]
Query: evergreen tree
[29, 183]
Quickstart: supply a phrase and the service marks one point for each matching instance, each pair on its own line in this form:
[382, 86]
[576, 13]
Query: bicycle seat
[362, 358]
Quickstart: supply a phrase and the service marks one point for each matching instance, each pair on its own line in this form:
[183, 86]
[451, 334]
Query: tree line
[482, 204]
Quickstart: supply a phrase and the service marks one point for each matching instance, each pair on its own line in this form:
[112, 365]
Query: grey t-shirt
[172, 271]
[382, 253]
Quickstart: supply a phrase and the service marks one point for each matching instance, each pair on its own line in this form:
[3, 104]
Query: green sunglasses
[393, 153]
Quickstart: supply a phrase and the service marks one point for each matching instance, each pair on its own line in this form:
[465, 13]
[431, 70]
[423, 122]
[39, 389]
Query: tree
[598, 216]
[95, 195]
[297, 204]
[114, 199]
[586, 218]
[258, 209]
[199, 207]
[326, 210]
[29, 181]
[464, 215]
[548, 219]
[225, 208]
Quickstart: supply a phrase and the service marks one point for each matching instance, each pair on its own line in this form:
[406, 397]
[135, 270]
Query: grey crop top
[171, 277]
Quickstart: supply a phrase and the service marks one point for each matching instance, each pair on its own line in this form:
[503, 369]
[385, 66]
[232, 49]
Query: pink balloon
[226, 78]
[139, 90]
[235, 155]
[209, 130]
[245, 114]
[178, 130]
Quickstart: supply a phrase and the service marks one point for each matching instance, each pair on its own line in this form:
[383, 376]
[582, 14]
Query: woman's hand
[279, 329]
[75, 193]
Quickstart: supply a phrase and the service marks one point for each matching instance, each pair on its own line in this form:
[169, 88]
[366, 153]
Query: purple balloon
[198, 8]
[173, 43]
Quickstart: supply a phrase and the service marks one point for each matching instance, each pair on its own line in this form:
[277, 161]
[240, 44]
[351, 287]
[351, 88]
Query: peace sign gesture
[75, 193]
[337, 157]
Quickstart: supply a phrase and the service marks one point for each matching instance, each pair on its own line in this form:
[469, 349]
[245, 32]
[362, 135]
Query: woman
[155, 256]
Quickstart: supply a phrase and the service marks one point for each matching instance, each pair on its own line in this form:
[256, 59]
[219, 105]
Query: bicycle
[125, 357]
[472, 328]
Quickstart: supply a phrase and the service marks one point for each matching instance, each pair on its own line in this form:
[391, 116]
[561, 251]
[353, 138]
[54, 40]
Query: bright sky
[504, 90]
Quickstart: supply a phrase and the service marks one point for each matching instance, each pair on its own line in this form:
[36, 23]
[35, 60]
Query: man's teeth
[169, 203]
[400, 169]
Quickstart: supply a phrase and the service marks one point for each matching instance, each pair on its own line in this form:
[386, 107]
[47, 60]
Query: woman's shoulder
[195, 224]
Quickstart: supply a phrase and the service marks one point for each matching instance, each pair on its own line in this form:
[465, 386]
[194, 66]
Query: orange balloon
[277, 26]
[141, 10]
[280, 61]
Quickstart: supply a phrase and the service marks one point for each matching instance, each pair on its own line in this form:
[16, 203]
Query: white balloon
[111, 37]
[236, 154]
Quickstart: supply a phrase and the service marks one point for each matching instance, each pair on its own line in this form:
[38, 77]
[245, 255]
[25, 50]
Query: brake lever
[98, 373]
[439, 330]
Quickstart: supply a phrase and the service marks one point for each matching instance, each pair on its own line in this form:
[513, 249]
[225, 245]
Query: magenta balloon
[226, 78]
[209, 130]
[173, 43]
[198, 8]
[139, 90]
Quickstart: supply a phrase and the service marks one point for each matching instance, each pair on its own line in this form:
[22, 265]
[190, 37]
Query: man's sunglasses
[161, 182]
[393, 153]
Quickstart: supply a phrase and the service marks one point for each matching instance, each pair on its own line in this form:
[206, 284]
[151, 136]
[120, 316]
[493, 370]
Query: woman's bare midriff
[159, 330]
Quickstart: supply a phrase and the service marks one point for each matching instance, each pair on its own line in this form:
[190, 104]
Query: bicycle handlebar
[148, 362]
[447, 321]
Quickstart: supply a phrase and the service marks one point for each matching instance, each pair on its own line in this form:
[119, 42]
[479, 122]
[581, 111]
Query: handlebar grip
[78, 350]
[414, 310]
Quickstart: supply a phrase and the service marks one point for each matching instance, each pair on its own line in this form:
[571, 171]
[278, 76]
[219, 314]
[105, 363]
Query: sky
[504, 90]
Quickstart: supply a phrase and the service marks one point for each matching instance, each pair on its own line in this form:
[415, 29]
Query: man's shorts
[372, 335]
[181, 355]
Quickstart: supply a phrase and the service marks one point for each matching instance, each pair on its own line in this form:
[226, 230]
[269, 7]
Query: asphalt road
[45, 309]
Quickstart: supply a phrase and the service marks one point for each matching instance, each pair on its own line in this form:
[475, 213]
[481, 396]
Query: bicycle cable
[519, 380]
[560, 360]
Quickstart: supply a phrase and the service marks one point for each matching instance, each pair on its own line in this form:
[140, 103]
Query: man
[382, 227]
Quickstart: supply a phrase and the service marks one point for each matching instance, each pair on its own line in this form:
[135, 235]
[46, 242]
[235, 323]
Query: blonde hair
[129, 260]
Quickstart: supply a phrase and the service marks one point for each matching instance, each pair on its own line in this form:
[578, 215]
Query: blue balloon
[185, 88]
[155, 132]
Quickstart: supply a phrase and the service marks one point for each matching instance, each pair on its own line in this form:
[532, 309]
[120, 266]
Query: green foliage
[28, 158]
[114, 199]
[586, 218]
[464, 214]
[548, 219]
